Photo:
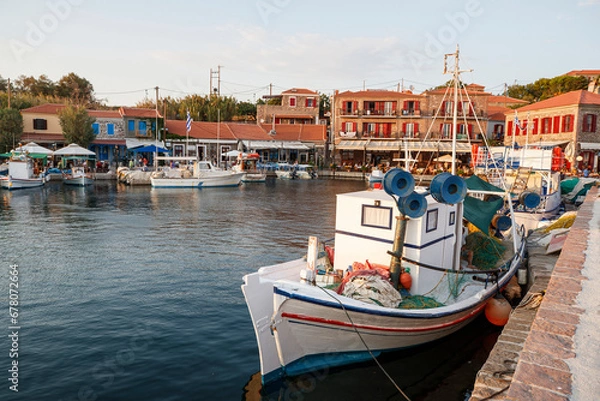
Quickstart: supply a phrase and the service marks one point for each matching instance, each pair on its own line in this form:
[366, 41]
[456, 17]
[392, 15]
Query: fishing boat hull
[549, 209]
[226, 179]
[302, 327]
[20, 183]
[254, 177]
[80, 181]
[175, 182]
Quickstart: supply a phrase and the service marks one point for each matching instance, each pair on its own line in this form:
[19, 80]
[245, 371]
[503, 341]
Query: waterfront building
[293, 106]
[569, 120]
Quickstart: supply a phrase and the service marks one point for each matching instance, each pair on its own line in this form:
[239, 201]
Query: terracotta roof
[567, 99]
[497, 113]
[497, 99]
[476, 87]
[138, 112]
[470, 91]
[299, 91]
[201, 130]
[576, 73]
[48, 108]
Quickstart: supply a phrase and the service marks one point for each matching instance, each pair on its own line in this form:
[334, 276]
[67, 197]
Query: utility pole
[9, 93]
[216, 74]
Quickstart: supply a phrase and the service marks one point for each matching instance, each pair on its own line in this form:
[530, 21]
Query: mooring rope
[366, 346]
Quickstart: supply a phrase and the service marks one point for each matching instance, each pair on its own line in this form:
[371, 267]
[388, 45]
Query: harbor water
[133, 293]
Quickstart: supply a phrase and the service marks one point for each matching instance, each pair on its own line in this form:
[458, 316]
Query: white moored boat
[78, 176]
[404, 273]
[22, 171]
[203, 174]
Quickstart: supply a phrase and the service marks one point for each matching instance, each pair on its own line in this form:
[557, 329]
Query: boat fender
[398, 182]
[497, 310]
[413, 205]
[530, 200]
[448, 188]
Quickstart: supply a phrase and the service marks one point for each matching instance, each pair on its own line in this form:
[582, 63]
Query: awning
[351, 145]
[589, 145]
[263, 145]
[133, 143]
[391, 146]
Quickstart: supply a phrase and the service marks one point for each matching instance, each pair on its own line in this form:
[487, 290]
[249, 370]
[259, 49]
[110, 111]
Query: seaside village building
[116, 131]
[569, 120]
[383, 127]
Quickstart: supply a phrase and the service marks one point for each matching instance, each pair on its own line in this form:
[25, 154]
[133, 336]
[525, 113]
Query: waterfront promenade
[551, 352]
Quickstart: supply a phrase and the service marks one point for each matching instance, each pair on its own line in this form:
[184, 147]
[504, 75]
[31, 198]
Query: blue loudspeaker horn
[448, 188]
[398, 182]
[501, 222]
[414, 205]
[530, 200]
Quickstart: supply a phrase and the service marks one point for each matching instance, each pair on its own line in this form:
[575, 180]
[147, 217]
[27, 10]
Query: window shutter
[470, 128]
[417, 105]
[441, 128]
[593, 127]
[556, 125]
[353, 127]
[405, 105]
[306, 102]
[535, 126]
[404, 128]
[510, 128]
[416, 127]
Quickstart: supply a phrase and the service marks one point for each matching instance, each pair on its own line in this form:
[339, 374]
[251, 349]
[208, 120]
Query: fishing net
[418, 302]
[487, 251]
[564, 221]
[372, 289]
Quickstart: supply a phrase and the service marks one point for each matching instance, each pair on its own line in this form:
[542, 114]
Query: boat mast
[455, 78]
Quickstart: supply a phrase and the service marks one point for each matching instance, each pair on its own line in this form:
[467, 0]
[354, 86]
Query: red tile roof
[498, 99]
[138, 112]
[585, 73]
[470, 91]
[299, 116]
[572, 98]
[42, 138]
[48, 108]
[254, 132]
[299, 91]
[497, 113]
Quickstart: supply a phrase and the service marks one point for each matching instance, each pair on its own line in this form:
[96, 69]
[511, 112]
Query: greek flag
[518, 123]
[188, 124]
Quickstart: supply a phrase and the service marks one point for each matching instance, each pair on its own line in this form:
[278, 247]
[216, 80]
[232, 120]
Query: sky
[127, 48]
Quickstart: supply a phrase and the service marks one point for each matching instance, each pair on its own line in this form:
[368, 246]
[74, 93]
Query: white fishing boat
[201, 174]
[375, 176]
[305, 172]
[78, 176]
[248, 164]
[22, 173]
[531, 174]
[404, 273]
[285, 171]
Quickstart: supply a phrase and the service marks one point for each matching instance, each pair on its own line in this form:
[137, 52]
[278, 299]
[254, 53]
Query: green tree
[246, 110]
[76, 124]
[11, 129]
[3, 84]
[545, 88]
[78, 90]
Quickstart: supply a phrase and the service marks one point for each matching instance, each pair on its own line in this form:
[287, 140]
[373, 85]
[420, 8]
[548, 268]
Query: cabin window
[376, 216]
[96, 128]
[452, 219]
[40, 123]
[432, 220]
[110, 129]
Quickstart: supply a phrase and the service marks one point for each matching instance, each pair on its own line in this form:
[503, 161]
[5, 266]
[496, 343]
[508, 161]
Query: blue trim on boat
[385, 241]
[311, 363]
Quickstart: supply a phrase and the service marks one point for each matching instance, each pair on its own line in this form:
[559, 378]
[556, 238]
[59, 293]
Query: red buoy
[406, 279]
[497, 310]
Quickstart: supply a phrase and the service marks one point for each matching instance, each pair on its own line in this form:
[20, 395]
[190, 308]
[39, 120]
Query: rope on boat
[465, 271]
[532, 300]
[366, 346]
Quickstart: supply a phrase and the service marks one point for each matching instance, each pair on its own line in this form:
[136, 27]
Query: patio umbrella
[444, 159]
[74, 150]
[33, 147]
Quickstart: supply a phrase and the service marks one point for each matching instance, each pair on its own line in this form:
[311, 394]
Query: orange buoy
[406, 279]
[497, 310]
